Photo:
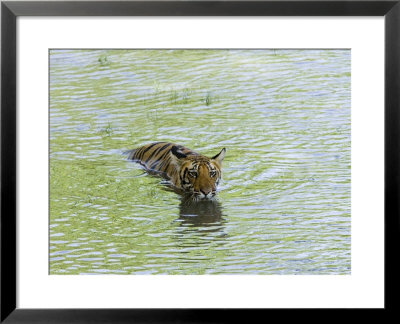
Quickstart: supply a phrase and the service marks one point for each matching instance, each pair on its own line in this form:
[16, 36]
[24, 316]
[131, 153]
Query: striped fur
[186, 169]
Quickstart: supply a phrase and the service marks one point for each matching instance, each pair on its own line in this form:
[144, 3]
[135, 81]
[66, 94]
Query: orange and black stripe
[156, 156]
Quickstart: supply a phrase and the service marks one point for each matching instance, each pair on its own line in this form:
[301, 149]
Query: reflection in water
[201, 223]
[200, 213]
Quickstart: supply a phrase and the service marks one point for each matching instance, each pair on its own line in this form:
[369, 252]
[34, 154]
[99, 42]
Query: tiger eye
[193, 174]
[213, 174]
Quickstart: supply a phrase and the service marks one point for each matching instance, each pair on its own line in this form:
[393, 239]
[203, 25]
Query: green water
[283, 205]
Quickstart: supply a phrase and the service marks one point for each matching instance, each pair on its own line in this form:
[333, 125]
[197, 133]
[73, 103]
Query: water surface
[284, 203]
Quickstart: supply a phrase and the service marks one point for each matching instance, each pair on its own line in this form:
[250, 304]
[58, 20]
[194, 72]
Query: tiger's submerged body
[185, 169]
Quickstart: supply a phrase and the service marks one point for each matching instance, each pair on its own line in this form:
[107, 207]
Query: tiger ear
[177, 154]
[220, 156]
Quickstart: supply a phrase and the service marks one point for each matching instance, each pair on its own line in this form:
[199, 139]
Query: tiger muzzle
[205, 193]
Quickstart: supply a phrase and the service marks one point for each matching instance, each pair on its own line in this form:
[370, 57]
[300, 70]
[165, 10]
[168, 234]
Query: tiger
[185, 169]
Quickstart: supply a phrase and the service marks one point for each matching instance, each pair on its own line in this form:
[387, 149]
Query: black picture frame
[10, 10]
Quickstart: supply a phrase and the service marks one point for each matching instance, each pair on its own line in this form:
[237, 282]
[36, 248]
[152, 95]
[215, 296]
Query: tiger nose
[205, 191]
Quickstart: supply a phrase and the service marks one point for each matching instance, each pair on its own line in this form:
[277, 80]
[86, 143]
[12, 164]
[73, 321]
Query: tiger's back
[185, 168]
[157, 157]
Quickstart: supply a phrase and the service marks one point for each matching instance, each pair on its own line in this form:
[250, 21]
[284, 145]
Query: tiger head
[198, 175]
